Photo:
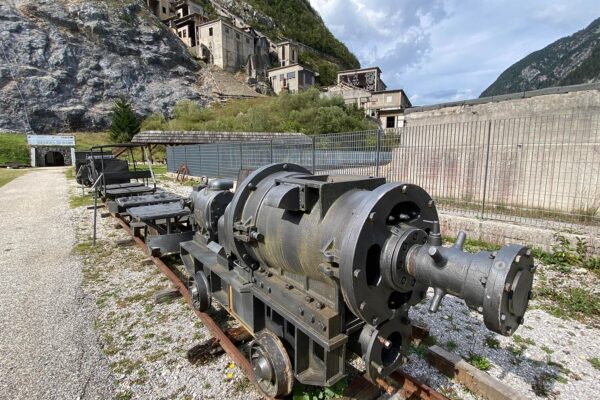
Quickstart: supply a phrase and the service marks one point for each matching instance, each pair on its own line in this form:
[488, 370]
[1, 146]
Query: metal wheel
[271, 365]
[200, 292]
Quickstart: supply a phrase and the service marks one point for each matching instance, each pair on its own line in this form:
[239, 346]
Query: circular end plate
[365, 291]
[508, 289]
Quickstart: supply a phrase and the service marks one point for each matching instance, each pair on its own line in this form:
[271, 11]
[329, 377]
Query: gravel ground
[48, 347]
[146, 342]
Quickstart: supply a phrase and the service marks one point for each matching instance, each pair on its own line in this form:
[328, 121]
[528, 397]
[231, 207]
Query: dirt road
[48, 347]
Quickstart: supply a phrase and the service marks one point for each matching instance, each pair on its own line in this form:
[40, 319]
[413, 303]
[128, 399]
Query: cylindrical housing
[378, 242]
[209, 205]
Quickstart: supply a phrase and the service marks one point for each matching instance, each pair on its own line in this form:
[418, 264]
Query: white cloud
[444, 50]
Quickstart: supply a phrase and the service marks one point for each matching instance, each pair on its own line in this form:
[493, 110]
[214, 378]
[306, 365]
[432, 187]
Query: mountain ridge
[571, 60]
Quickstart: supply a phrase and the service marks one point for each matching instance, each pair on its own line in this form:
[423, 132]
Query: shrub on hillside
[304, 112]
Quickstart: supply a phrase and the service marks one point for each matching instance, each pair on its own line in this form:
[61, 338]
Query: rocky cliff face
[63, 62]
[568, 61]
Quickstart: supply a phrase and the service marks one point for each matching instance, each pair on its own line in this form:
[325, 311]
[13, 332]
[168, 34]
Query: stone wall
[535, 155]
[40, 154]
[546, 102]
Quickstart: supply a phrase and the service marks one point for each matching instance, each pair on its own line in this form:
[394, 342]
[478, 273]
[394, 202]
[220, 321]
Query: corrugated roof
[203, 137]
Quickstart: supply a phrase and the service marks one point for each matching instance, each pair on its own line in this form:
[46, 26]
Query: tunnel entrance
[54, 159]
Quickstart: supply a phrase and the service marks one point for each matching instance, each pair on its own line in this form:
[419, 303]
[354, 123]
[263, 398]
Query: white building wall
[230, 47]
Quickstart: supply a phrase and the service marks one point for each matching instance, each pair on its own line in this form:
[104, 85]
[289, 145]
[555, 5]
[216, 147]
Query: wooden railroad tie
[125, 242]
[212, 348]
[166, 295]
[475, 380]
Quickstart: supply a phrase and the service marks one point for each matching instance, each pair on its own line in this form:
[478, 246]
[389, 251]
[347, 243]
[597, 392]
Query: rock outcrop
[64, 62]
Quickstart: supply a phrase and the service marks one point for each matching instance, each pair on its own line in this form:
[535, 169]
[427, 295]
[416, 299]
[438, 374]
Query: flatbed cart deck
[162, 226]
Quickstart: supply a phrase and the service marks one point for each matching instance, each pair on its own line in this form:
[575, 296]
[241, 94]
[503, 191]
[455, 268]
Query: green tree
[125, 123]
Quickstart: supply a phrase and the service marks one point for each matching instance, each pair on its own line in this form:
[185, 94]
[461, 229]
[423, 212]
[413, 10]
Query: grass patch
[242, 385]
[422, 348]
[565, 255]
[7, 175]
[157, 355]
[77, 200]
[522, 341]
[517, 351]
[451, 345]
[124, 396]
[492, 342]
[541, 384]
[70, 173]
[305, 392]
[13, 148]
[85, 140]
[479, 362]
[595, 362]
[574, 302]
[474, 245]
[126, 366]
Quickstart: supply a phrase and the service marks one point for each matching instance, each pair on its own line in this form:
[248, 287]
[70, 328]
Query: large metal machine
[315, 266]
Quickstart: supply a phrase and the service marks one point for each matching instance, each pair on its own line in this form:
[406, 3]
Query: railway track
[398, 382]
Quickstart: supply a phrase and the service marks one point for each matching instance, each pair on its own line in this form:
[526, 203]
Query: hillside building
[225, 45]
[233, 45]
[188, 17]
[365, 78]
[387, 106]
[287, 53]
[163, 9]
[259, 63]
[292, 78]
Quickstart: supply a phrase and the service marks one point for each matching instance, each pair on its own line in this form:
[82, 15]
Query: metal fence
[534, 170]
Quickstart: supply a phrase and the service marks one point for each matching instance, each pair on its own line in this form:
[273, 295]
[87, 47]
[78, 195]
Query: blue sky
[445, 50]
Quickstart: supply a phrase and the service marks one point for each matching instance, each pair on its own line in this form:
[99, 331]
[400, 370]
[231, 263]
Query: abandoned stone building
[365, 78]
[292, 78]
[225, 45]
[163, 9]
[188, 16]
[287, 53]
[232, 45]
[365, 89]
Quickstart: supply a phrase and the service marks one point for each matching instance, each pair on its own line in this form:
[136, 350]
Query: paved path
[48, 348]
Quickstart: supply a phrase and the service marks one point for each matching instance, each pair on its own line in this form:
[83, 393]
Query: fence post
[271, 151]
[314, 154]
[241, 156]
[218, 160]
[485, 173]
[377, 152]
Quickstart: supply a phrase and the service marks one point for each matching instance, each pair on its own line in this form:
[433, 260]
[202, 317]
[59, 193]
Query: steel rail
[224, 341]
